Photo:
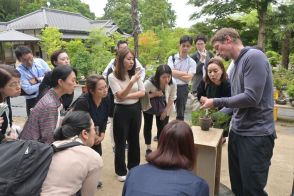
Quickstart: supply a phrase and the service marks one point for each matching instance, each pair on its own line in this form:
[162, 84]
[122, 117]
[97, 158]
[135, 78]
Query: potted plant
[201, 118]
[290, 92]
[205, 121]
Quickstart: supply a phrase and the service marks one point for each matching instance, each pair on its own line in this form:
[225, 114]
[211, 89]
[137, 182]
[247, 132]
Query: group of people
[122, 95]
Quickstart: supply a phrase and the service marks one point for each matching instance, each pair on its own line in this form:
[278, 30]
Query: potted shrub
[280, 84]
[205, 121]
[202, 118]
[290, 92]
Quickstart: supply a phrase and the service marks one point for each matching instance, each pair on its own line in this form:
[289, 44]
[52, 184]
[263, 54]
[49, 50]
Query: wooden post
[136, 26]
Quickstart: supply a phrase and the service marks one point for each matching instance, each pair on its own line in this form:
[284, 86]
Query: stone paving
[280, 175]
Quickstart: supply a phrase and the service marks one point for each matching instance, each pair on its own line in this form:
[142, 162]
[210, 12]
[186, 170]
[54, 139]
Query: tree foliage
[120, 12]
[51, 40]
[157, 14]
[154, 14]
[80, 57]
[149, 47]
[223, 8]
[284, 32]
[72, 6]
[100, 47]
[156, 47]
[10, 9]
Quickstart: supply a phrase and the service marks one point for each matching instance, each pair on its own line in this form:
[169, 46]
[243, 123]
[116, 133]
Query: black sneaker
[155, 139]
[148, 151]
[99, 186]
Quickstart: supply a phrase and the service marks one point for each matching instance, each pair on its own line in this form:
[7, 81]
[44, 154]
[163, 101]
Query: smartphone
[138, 69]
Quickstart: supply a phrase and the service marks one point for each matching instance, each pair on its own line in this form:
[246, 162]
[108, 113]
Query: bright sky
[183, 11]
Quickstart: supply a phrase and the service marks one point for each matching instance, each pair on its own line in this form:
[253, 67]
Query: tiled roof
[63, 20]
[3, 26]
[12, 35]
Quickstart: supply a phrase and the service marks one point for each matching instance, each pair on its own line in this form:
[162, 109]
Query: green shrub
[291, 58]
[282, 78]
[290, 91]
[221, 120]
[273, 57]
[195, 116]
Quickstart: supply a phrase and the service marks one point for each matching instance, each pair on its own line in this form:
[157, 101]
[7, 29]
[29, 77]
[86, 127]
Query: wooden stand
[209, 150]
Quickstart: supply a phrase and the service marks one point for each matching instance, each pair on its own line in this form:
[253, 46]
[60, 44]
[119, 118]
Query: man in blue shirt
[32, 73]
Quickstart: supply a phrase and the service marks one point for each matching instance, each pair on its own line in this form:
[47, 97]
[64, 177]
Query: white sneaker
[121, 178]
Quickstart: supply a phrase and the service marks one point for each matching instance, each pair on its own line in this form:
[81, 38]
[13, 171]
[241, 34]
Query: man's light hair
[221, 35]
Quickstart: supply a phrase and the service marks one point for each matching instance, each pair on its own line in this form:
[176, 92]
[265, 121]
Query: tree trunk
[286, 49]
[262, 26]
[136, 26]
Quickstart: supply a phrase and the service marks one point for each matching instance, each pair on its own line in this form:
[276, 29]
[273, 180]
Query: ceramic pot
[205, 123]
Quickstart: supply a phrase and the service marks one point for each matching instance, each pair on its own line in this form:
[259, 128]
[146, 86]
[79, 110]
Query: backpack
[24, 165]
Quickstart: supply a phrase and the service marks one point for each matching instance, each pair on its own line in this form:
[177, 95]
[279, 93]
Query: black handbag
[158, 105]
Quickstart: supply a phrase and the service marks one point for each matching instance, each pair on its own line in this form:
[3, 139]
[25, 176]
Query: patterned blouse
[43, 119]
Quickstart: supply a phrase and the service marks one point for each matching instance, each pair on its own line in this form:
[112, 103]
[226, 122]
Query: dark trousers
[30, 103]
[182, 96]
[98, 148]
[148, 120]
[249, 161]
[126, 127]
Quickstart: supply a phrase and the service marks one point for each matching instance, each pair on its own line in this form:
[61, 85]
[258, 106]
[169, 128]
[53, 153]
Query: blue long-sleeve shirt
[148, 180]
[252, 95]
[37, 70]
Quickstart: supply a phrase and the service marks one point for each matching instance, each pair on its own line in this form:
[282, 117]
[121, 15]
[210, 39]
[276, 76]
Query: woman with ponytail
[76, 168]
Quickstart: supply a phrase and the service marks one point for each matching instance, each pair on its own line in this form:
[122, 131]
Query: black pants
[148, 120]
[249, 161]
[182, 96]
[98, 148]
[30, 103]
[126, 127]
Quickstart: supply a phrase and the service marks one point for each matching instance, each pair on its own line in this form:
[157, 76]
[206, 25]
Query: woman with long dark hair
[45, 116]
[77, 168]
[169, 167]
[127, 88]
[9, 87]
[161, 90]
